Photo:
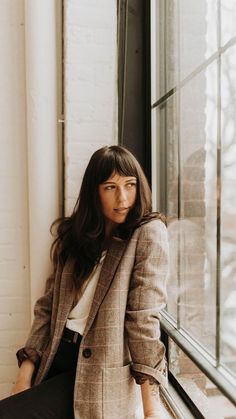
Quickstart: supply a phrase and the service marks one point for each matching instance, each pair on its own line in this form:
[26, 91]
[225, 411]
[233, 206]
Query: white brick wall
[14, 261]
[90, 85]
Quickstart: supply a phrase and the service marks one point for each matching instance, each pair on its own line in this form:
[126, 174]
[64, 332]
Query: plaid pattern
[122, 331]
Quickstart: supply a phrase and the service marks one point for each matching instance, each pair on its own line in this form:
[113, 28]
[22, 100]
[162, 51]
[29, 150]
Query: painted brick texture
[90, 86]
[14, 261]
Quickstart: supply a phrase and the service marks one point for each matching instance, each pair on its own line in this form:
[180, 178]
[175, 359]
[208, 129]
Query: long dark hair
[81, 235]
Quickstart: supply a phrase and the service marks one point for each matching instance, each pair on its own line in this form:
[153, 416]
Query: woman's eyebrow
[114, 183]
[133, 178]
[106, 182]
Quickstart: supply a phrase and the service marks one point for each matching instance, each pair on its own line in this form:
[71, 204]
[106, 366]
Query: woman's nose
[122, 195]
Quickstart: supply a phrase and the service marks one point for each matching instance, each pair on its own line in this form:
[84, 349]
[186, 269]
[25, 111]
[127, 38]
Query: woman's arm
[146, 298]
[24, 377]
[40, 329]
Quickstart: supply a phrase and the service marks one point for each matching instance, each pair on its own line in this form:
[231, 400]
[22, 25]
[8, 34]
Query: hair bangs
[116, 161]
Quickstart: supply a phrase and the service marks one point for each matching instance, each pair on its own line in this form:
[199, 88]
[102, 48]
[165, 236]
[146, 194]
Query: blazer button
[87, 352]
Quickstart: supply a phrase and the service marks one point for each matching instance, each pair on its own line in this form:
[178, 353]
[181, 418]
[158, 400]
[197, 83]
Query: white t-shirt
[77, 318]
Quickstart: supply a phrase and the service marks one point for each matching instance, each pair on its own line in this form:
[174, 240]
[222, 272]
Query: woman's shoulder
[152, 230]
[151, 239]
[152, 225]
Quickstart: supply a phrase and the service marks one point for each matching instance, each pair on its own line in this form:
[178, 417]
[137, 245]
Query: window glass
[165, 57]
[228, 209]
[189, 199]
[228, 19]
[197, 243]
[185, 36]
[197, 33]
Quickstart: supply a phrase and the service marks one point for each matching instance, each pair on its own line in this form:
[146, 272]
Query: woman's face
[117, 196]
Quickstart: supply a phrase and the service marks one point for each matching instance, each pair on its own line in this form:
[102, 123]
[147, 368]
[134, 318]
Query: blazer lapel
[108, 271]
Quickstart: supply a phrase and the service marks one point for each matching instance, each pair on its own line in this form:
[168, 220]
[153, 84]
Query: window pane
[204, 394]
[228, 19]
[228, 210]
[198, 33]
[165, 47]
[198, 135]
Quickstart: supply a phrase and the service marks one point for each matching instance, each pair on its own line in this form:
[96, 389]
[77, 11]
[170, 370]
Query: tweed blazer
[122, 330]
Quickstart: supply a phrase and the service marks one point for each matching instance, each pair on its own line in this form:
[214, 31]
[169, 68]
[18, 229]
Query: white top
[78, 316]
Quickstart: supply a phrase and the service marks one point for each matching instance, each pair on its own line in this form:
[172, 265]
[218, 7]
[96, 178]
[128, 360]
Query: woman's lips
[121, 210]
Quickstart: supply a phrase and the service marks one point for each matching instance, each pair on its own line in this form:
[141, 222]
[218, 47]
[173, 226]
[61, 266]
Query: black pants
[51, 399]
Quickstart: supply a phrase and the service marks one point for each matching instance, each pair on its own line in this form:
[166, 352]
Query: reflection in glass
[192, 237]
[228, 210]
[198, 125]
[228, 19]
[198, 33]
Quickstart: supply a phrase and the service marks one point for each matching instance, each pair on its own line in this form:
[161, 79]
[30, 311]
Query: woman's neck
[106, 243]
[110, 228]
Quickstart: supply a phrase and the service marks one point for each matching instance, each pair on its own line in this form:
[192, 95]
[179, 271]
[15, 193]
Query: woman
[96, 331]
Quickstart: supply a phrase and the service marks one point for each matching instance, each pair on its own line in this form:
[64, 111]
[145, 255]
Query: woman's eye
[128, 185]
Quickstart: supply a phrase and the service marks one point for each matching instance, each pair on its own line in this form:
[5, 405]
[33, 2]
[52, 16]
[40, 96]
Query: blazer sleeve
[40, 330]
[146, 298]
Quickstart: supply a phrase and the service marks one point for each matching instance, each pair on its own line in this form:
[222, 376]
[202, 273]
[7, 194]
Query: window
[193, 94]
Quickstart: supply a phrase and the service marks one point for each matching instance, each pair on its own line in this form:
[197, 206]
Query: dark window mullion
[218, 194]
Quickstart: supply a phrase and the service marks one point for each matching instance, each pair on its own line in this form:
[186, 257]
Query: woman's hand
[151, 400]
[157, 414]
[20, 386]
[24, 377]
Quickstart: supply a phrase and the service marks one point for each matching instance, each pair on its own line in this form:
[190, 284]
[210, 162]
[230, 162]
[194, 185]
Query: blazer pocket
[119, 393]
